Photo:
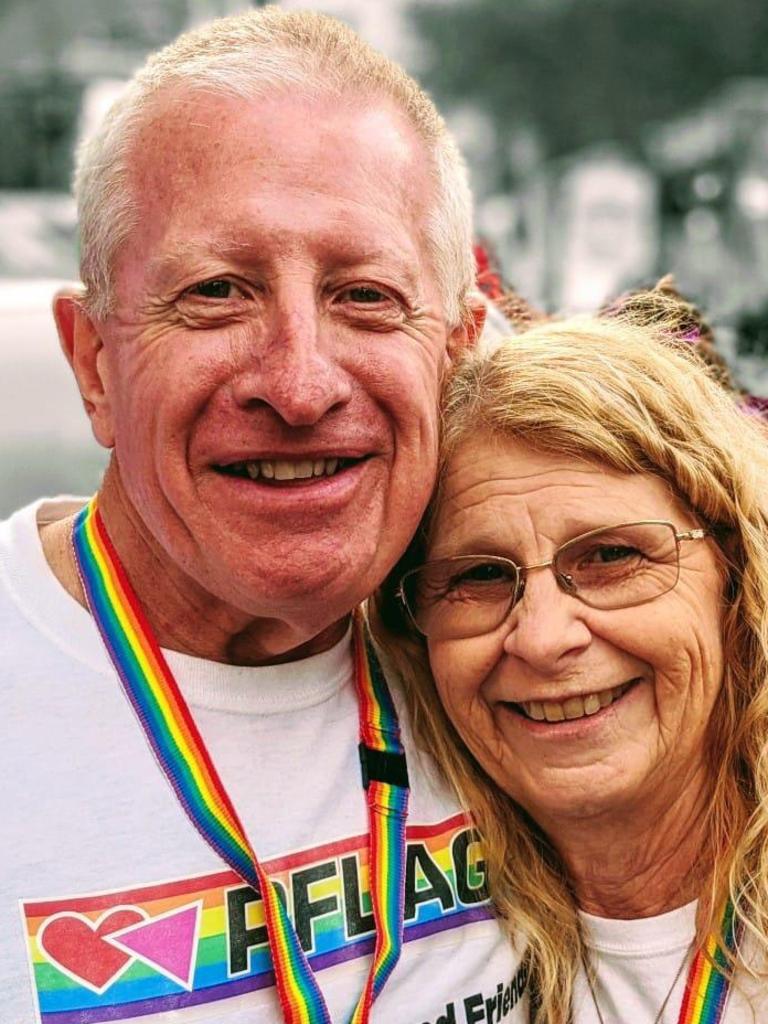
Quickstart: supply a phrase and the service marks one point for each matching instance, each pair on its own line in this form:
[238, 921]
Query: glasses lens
[621, 566]
[459, 597]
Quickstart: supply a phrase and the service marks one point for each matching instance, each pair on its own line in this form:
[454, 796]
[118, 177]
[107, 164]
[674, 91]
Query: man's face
[272, 366]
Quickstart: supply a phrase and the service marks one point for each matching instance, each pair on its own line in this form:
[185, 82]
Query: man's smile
[286, 470]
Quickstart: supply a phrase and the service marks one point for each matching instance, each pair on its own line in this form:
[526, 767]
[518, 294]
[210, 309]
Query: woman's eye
[219, 288]
[483, 574]
[487, 572]
[615, 553]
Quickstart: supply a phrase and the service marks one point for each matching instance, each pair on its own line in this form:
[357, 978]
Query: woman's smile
[570, 709]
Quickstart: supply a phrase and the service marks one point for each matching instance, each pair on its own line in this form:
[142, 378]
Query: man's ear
[81, 342]
[466, 335]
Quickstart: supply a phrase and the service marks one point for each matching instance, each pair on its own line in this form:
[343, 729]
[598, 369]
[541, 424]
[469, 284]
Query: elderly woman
[582, 627]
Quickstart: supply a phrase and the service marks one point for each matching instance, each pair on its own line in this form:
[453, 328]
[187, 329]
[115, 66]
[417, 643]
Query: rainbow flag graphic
[124, 954]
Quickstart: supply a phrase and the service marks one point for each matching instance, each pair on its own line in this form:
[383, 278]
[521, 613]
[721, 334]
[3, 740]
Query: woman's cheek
[459, 680]
[459, 668]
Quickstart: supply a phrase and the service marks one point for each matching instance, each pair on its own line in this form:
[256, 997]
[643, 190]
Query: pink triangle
[167, 943]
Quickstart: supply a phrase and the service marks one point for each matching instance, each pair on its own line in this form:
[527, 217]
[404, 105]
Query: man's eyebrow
[188, 252]
[378, 256]
[245, 252]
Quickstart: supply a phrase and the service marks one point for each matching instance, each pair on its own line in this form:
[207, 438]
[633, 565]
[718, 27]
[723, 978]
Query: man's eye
[216, 289]
[365, 295]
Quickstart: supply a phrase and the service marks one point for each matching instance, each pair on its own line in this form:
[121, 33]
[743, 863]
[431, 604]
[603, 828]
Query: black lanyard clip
[382, 766]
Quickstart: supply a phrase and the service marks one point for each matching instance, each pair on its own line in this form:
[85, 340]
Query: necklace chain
[659, 1016]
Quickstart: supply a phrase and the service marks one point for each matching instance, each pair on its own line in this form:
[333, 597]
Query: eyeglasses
[609, 568]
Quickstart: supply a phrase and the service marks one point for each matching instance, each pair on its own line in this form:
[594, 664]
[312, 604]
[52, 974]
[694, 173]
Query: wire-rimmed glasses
[610, 567]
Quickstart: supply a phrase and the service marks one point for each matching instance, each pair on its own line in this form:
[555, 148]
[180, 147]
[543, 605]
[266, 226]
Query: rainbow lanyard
[173, 736]
[706, 989]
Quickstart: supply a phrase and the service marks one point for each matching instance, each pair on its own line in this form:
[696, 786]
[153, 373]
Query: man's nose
[293, 369]
[546, 625]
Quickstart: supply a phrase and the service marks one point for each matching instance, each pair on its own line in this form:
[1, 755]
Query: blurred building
[603, 230]
[713, 168]
[692, 199]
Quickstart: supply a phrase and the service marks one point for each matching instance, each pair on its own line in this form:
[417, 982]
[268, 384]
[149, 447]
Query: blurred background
[609, 142]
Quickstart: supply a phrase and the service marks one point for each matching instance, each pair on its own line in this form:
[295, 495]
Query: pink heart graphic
[75, 944]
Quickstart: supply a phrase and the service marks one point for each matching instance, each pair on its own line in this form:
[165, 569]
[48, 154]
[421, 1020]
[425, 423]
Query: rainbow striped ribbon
[176, 742]
[706, 989]
[386, 782]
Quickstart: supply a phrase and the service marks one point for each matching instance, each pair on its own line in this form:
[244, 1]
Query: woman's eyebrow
[480, 544]
[487, 543]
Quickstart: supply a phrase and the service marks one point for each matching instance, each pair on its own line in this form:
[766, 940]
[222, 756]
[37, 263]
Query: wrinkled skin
[639, 768]
[274, 300]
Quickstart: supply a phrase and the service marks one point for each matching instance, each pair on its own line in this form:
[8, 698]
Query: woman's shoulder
[748, 1000]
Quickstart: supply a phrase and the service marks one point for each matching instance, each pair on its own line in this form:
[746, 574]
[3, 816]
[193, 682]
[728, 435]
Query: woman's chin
[578, 794]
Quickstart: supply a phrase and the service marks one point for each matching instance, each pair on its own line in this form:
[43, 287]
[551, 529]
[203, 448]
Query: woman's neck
[643, 862]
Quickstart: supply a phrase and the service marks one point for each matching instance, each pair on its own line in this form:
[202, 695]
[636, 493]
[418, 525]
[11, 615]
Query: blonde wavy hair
[627, 395]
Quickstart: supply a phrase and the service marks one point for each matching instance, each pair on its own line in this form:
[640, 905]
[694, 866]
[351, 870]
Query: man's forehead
[231, 176]
[282, 127]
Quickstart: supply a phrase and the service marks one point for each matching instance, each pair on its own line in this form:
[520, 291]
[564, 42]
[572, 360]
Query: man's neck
[186, 618]
[645, 862]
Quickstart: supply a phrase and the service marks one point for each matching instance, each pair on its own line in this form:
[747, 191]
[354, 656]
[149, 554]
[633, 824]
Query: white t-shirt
[637, 962]
[112, 905]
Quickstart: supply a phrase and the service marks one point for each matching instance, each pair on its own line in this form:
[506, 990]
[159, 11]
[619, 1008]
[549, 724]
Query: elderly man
[276, 259]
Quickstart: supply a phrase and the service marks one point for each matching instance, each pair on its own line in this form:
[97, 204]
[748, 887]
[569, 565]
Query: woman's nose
[546, 623]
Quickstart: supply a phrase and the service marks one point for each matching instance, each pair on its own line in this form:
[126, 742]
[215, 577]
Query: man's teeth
[574, 707]
[282, 469]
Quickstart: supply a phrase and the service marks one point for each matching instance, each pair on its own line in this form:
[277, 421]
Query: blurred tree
[584, 71]
[38, 112]
[752, 332]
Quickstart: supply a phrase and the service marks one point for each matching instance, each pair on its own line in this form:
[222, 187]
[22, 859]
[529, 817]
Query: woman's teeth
[574, 707]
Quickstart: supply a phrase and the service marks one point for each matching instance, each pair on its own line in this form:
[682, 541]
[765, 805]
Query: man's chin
[320, 588]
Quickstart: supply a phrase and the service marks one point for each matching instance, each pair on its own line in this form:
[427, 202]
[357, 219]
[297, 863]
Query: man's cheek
[424, 363]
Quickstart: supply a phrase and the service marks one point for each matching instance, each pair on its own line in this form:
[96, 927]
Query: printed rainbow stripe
[706, 989]
[388, 811]
[230, 959]
[173, 736]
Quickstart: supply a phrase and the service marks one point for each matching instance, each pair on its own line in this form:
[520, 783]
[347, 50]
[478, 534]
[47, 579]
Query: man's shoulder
[20, 528]
[21, 550]
[33, 602]
[19, 544]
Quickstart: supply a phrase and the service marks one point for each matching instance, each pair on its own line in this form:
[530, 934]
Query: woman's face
[654, 668]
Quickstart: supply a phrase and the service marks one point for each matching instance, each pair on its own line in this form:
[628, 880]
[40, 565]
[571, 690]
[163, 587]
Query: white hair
[245, 56]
